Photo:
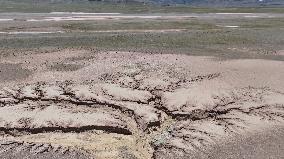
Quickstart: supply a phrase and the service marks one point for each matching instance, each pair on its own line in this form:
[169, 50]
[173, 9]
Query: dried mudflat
[136, 105]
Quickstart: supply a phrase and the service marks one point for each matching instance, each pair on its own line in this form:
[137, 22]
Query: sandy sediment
[135, 105]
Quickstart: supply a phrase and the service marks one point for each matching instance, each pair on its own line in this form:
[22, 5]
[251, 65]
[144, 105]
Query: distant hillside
[206, 3]
[200, 3]
[221, 3]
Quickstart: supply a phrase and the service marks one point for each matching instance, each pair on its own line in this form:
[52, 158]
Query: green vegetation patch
[32, 6]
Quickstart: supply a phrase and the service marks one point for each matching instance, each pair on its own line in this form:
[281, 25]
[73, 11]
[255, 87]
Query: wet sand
[260, 145]
[11, 72]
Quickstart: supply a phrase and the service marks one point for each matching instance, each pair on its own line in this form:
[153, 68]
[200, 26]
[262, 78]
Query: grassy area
[138, 25]
[190, 24]
[255, 38]
[209, 42]
[33, 6]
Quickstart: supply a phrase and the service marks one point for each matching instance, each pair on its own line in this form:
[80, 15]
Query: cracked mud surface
[134, 105]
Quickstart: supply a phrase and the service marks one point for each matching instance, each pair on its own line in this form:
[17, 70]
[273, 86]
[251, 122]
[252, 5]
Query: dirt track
[135, 105]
